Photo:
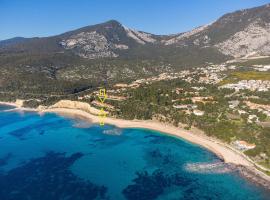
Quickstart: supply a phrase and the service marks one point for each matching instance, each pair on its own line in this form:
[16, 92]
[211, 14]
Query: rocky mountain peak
[246, 32]
[104, 40]
[237, 34]
[112, 23]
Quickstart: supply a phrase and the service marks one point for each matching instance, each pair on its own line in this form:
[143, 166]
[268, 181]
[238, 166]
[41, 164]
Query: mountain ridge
[111, 51]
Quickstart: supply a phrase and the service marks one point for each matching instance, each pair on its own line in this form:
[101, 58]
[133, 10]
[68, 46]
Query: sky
[39, 18]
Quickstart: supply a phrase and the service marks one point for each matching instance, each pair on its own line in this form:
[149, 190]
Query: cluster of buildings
[202, 99]
[262, 68]
[253, 85]
[190, 108]
[160, 77]
[260, 107]
[211, 74]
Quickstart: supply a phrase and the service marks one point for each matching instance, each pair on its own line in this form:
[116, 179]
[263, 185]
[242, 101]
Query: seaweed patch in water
[46, 178]
[41, 132]
[21, 133]
[162, 157]
[4, 160]
[155, 139]
[149, 186]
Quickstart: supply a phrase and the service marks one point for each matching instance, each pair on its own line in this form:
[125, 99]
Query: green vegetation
[252, 75]
[234, 77]
[157, 101]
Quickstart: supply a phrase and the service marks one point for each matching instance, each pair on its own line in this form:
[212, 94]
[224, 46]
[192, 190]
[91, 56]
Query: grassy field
[252, 75]
[246, 75]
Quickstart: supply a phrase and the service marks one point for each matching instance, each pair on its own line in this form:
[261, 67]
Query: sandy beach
[222, 150]
[195, 136]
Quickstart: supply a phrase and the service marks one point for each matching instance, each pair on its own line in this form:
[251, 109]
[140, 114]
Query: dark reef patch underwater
[50, 157]
[46, 178]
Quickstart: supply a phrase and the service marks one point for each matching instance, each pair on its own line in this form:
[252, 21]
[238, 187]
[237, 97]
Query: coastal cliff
[75, 105]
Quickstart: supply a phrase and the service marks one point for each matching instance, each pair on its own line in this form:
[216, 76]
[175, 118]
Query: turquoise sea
[50, 157]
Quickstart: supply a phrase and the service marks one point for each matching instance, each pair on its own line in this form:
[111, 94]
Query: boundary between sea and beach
[236, 159]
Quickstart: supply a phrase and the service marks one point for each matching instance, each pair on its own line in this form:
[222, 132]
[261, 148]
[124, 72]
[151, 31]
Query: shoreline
[245, 166]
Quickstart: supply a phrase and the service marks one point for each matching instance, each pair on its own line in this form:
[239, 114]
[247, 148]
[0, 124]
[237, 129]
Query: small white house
[243, 145]
[198, 112]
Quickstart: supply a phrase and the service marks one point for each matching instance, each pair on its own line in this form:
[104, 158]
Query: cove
[53, 157]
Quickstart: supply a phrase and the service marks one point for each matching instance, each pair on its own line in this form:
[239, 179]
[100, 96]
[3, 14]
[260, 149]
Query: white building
[198, 112]
[243, 145]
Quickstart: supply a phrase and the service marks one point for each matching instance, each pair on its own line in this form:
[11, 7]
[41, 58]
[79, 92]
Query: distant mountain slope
[12, 41]
[111, 52]
[238, 34]
[106, 40]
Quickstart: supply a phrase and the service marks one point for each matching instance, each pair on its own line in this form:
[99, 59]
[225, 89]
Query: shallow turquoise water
[52, 157]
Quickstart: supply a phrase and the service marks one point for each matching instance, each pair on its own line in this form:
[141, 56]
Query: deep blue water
[51, 157]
